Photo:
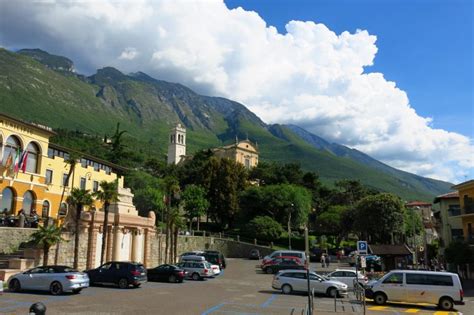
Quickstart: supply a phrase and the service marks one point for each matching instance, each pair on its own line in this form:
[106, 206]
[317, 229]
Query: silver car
[295, 280]
[55, 279]
[197, 270]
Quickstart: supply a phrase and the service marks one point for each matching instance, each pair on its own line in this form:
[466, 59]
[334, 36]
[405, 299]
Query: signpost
[362, 248]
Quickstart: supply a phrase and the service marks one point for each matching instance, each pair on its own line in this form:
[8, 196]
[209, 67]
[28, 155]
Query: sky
[391, 78]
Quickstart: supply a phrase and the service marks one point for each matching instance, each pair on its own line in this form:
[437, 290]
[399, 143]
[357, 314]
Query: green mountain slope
[147, 108]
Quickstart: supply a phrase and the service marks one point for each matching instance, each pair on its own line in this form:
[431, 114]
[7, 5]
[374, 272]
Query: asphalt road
[241, 289]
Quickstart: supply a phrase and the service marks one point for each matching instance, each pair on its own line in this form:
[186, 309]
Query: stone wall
[11, 238]
[229, 248]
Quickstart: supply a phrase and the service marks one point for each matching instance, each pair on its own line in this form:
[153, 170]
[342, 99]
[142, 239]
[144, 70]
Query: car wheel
[14, 285]
[286, 289]
[269, 270]
[56, 288]
[446, 303]
[331, 292]
[76, 291]
[380, 298]
[172, 279]
[123, 283]
[196, 276]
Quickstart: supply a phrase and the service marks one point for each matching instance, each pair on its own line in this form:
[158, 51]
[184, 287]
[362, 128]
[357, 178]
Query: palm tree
[47, 237]
[107, 194]
[78, 199]
[71, 161]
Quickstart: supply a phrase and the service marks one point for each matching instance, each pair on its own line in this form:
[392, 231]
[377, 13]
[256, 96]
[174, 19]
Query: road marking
[269, 301]
[213, 309]
[377, 308]
[412, 310]
[444, 313]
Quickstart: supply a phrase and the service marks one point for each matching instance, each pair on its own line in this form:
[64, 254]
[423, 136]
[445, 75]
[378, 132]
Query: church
[244, 152]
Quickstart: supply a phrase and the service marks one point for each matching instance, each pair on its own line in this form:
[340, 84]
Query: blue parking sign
[362, 247]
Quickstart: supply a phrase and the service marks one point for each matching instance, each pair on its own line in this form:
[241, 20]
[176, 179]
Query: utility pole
[306, 249]
[289, 226]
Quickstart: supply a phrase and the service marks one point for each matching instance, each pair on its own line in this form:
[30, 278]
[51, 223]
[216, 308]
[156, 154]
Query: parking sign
[362, 247]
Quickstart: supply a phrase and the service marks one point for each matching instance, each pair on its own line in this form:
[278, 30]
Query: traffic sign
[362, 247]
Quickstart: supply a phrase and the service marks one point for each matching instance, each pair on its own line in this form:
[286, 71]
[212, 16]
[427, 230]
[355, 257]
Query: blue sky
[294, 61]
[425, 46]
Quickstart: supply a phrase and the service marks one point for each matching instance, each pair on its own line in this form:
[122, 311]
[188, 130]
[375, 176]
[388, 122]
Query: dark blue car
[118, 273]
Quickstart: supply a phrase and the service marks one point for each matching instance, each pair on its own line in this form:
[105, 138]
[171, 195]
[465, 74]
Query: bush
[459, 253]
[263, 228]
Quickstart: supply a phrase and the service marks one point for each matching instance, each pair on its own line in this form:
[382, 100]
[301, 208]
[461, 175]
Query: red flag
[25, 159]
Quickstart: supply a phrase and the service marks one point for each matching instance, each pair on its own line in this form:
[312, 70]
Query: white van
[414, 286]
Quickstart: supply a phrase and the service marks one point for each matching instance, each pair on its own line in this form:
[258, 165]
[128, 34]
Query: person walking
[328, 260]
[21, 218]
[323, 261]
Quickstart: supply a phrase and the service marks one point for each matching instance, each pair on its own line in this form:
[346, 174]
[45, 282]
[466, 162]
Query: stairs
[5, 257]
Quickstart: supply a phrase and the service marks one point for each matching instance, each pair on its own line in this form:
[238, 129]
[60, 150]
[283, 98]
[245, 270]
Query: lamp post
[289, 226]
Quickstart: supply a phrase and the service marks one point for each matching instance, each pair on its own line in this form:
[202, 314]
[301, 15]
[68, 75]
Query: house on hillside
[450, 224]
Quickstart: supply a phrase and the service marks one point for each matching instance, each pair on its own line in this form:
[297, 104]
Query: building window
[7, 200]
[95, 187]
[32, 158]
[65, 180]
[83, 183]
[63, 209]
[45, 209]
[49, 177]
[457, 234]
[454, 210]
[28, 202]
[247, 163]
[11, 148]
[84, 163]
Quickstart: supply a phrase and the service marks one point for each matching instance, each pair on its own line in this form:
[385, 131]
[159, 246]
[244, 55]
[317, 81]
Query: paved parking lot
[241, 289]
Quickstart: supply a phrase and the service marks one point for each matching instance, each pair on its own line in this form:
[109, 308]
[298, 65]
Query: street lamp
[289, 226]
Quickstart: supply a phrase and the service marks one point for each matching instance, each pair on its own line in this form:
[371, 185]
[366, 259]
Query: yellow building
[466, 200]
[450, 222]
[43, 181]
[243, 152]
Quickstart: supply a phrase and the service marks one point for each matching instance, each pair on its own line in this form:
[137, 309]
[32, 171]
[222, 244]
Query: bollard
[238, 238]
[335, 301]
[38, 308]
[271, 244]
[220, 235]
[254, 241]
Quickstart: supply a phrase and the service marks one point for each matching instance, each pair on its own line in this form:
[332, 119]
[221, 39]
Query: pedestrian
[21, 218]
[323, 261]
[328, 260]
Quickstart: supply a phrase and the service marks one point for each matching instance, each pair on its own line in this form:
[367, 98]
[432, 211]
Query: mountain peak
[55, 62]
[108, 75]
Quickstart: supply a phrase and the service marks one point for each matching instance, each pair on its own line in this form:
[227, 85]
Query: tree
[227, 179]
[379, 218]
[459, 253]
[277, 201]
[116, 146]
[107, 194]
[171, 214]
[195, 203]
[71, 161]
[47, 237]
[263, 228]
[78, 199]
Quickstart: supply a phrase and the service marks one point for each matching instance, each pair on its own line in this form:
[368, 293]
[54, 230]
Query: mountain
[39, 90]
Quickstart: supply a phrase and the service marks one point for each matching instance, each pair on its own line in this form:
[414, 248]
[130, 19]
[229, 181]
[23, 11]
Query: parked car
[197, 270]
[413, 286]
[216, 270]
[192, 258]
[289, 281]
[371, 261]
[281, 263]
[55, 279]
[288, 253]
[215, 257]
[254, 254]
[119, 273]
[166, 272]
[348, 277]
[192, 253]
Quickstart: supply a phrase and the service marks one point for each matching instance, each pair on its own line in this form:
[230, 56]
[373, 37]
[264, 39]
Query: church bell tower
[177, 144]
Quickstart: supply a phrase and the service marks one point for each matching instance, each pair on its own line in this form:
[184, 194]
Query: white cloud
[309, 75]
